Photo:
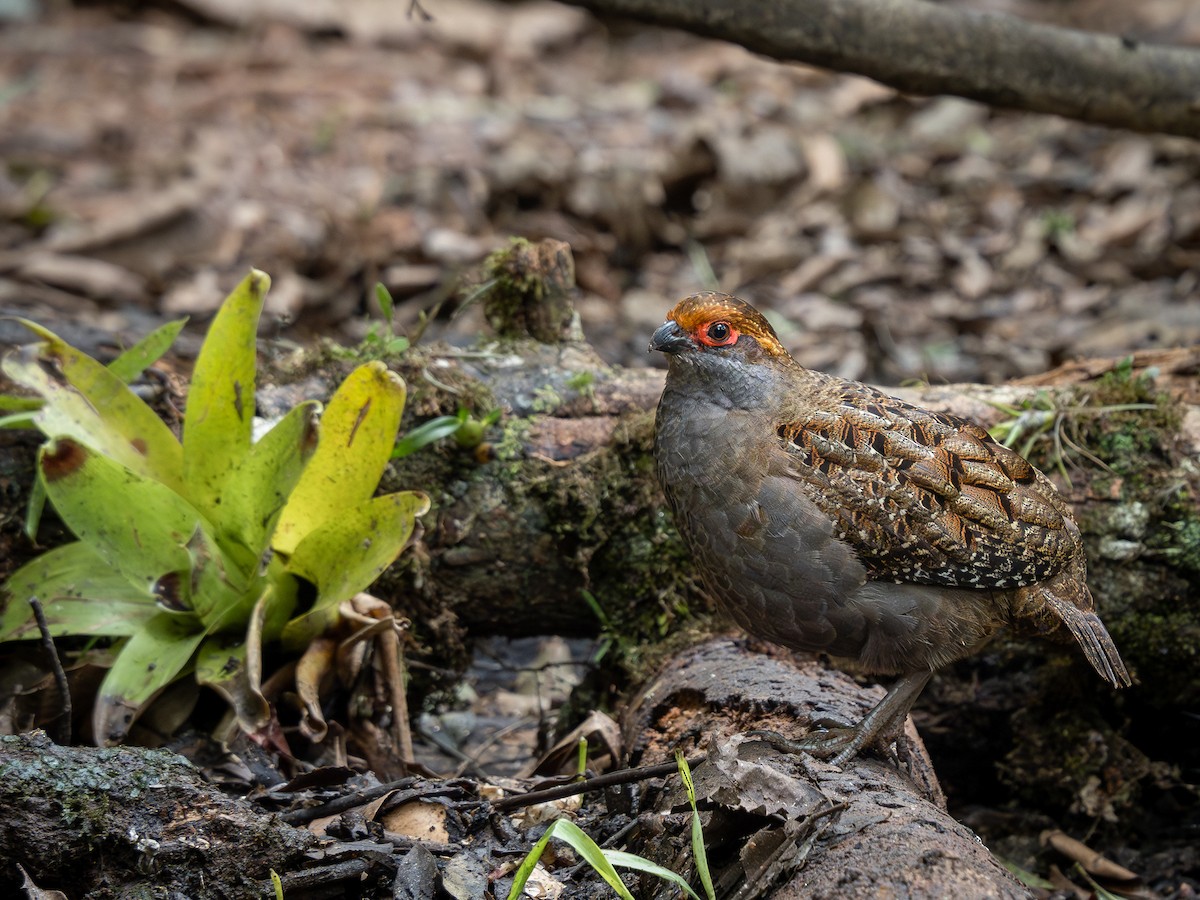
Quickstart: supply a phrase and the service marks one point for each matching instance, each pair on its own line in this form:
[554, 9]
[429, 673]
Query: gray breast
[769, 556]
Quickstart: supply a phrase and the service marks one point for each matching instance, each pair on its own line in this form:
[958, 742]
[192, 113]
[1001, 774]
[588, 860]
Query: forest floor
[152, 154]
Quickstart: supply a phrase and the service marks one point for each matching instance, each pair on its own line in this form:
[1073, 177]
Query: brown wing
[929, 498]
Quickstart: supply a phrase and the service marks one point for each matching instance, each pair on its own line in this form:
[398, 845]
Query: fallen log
[790, 827]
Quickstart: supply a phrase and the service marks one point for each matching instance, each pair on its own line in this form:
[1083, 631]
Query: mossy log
[561, 499]
[130, 822]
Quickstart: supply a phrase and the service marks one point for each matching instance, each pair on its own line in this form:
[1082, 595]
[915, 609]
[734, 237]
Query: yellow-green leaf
[345, 554]
[146, 352]
[221, 665]
[358, 431]
[137, 525]
[255, 494]
[79, 593]
[220, 404]
[222, 594]
[158, 653]
[87, 402]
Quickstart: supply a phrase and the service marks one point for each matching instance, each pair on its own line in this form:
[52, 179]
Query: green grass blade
[587, 849]
[386, 304]
[425, 434]
[528, 864]
[640, 864]
[699, 854]
[146, 352]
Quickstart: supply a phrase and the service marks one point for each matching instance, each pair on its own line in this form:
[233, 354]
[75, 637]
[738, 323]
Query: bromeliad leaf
[358, 431]
[146, 352]
[222, 594]
[234, 669]
[220, 404]
[79, 594]
[159, 652]
[221, 665]
[345, 554]
[87, 402]
[137, 525]
[255, 494]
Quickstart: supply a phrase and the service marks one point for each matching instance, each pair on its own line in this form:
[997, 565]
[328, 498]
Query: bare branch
[926, 48]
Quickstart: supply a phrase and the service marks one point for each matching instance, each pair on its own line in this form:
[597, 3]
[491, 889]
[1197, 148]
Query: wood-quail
[829, 517]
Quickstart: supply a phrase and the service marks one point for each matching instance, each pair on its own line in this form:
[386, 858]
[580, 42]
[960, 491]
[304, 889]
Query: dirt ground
[151, 153]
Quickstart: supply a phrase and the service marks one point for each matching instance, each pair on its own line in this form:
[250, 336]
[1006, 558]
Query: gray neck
[709, 378]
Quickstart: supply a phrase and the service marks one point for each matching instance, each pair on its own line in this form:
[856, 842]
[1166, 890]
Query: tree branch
[925, 48]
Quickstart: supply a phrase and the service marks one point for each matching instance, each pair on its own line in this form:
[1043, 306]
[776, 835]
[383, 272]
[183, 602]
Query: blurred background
[152, 152]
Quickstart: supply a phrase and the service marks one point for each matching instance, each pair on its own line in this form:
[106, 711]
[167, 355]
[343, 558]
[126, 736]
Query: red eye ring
[718, 334]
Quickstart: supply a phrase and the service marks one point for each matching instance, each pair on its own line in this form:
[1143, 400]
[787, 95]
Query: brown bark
[802, 828]
[926, 48]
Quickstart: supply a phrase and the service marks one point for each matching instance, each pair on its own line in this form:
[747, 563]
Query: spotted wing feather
[927, 498]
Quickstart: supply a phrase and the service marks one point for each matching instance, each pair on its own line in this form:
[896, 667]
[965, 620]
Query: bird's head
[720, 341]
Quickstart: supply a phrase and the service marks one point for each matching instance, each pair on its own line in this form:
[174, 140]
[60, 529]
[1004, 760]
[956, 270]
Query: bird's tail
[1097, 646]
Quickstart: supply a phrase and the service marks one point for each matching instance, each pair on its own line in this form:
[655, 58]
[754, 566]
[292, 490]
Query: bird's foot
[837, 741]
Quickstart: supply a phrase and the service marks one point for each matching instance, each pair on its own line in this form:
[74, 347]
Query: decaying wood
[137, 821]
[795, 827]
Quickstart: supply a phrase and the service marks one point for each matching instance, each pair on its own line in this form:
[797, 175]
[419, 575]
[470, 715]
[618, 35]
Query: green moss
[1130, 441]
[1183, 546]
[83, 790]
[546, 400]
[635, 565]
[512, 285]
[583, 383]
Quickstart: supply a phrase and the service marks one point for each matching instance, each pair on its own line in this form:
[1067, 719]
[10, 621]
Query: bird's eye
[719, 334]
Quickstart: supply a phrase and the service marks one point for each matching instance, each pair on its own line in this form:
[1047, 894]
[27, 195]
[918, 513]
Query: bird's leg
[841, 742]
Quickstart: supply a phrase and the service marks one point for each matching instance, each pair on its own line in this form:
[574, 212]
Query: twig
[348, 801]
[350, 870]
[63, 731]
[621, 776]
[391, 652]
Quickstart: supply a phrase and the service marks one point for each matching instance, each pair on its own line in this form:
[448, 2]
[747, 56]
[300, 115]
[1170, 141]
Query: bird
[829, 517]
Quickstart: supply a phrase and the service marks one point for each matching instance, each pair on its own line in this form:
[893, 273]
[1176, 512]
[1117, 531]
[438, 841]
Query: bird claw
[837, 742]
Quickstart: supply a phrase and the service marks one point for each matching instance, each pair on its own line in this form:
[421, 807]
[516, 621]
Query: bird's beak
[670, 338]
